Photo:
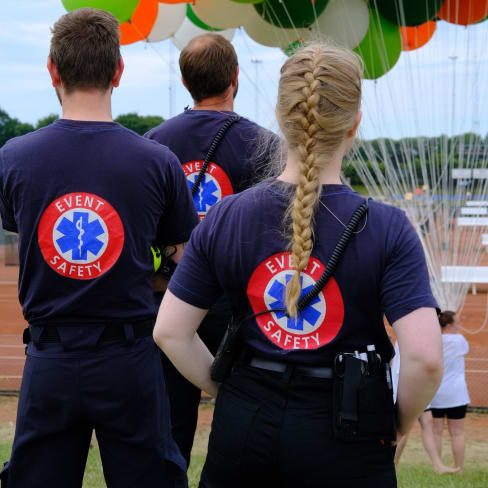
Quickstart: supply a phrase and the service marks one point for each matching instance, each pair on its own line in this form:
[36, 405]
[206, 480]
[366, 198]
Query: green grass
[415, 470]
[420, 476]
[410, 475]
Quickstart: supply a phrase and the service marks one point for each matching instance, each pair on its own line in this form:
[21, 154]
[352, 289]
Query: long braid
[318, 100]
[307, 192]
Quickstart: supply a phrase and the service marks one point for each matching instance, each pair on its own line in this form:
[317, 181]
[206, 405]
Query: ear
[53, 72]
[357, 121]
[118, 73]
[235, 78]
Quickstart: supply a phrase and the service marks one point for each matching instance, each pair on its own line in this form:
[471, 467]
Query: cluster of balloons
[378, 30]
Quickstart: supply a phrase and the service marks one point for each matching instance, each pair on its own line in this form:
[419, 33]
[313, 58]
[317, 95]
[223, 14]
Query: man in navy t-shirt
[210, 72]
[88, 198]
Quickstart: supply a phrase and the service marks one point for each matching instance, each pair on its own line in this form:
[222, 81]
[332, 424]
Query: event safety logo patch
[215, 185]
[317, 325]
[81, 236]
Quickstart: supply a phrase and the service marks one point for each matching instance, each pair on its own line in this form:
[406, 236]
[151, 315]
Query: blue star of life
[205, 197]
[80, 236]
[309, 314]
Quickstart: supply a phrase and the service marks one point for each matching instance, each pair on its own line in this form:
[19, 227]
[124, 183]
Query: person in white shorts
[426, 425]
[452, 397]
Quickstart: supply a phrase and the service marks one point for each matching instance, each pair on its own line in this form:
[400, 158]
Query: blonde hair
[319, 96]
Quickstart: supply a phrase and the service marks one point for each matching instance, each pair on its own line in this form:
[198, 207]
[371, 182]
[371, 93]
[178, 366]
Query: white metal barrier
[465, 274]
[472, 221]
[474, 210]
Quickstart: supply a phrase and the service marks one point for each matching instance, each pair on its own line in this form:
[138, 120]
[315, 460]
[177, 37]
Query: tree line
[465, 150]
[11, 127]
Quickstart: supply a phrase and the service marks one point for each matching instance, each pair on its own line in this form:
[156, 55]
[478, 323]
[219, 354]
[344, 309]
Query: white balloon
[344, 21]
[222, 14]
[269, 35]
[188, 30]
[168, 21]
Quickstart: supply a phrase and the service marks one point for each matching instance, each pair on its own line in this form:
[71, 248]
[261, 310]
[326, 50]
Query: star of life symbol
[80, 235]
[308, 319]
[207, 195]
[316, 325]
[215, 185]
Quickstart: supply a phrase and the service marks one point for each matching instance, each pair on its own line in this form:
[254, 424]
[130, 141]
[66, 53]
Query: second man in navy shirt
[210, 72]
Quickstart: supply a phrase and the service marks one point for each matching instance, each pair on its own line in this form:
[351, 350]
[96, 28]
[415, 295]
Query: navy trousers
[115, 389]
[274, 430]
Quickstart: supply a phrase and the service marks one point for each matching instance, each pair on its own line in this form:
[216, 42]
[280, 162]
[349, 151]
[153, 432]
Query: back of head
[446, 317]
[319, 97]
[207, 65]
[85, 48]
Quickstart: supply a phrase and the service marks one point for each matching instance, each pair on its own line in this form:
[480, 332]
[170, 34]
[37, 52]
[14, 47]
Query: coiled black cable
[211, 152]
[334, 258]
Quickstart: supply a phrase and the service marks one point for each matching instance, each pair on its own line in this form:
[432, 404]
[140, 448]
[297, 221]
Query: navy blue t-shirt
[235, 165]
[240, 249]
[88, 199]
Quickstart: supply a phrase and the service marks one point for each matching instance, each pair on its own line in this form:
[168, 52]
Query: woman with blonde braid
[265, 248]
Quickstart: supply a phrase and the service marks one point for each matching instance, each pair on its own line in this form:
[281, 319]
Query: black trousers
[184, 397]
[275, 430]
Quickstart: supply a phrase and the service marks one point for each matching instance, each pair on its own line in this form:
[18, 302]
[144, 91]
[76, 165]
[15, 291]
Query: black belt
[111, 332]
[278, 367]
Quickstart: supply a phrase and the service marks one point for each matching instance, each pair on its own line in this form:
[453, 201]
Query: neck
[89, 105]
[219, 103]
[329, 174]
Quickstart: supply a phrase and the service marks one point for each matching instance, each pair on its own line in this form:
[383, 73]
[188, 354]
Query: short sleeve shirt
[236, 164]
[240, 249]
[88, 199]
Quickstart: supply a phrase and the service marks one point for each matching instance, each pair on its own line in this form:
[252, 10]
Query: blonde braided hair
[318, 100]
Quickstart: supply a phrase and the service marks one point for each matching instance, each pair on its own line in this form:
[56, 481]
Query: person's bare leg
[400, 447]
[458, 441]
[428, 439]
[437, 427]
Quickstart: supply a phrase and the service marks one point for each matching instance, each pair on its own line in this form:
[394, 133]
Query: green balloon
[290, 13]
[411, 13]
[381, 46]
[122, 9]
[199, 23]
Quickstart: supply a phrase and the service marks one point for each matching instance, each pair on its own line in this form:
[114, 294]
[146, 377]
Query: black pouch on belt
[228, 351]
[363, 406]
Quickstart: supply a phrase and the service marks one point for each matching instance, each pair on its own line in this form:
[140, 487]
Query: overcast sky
[440, 88]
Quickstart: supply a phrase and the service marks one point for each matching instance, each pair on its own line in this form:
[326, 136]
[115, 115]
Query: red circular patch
[81, 236]
[315, 326]
[215, 185]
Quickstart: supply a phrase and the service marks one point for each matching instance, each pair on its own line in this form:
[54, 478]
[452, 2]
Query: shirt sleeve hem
[410, 306]
[179, 238]
[9, 226]
[189, 296]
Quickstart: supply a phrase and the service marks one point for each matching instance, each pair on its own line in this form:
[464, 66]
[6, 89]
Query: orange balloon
[463, 12]
[174, 1]
[415, 37]
[141, 22]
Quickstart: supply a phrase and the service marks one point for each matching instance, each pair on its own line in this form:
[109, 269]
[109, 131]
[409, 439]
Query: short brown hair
[446, 318]
[207, 65]
[85, 48]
